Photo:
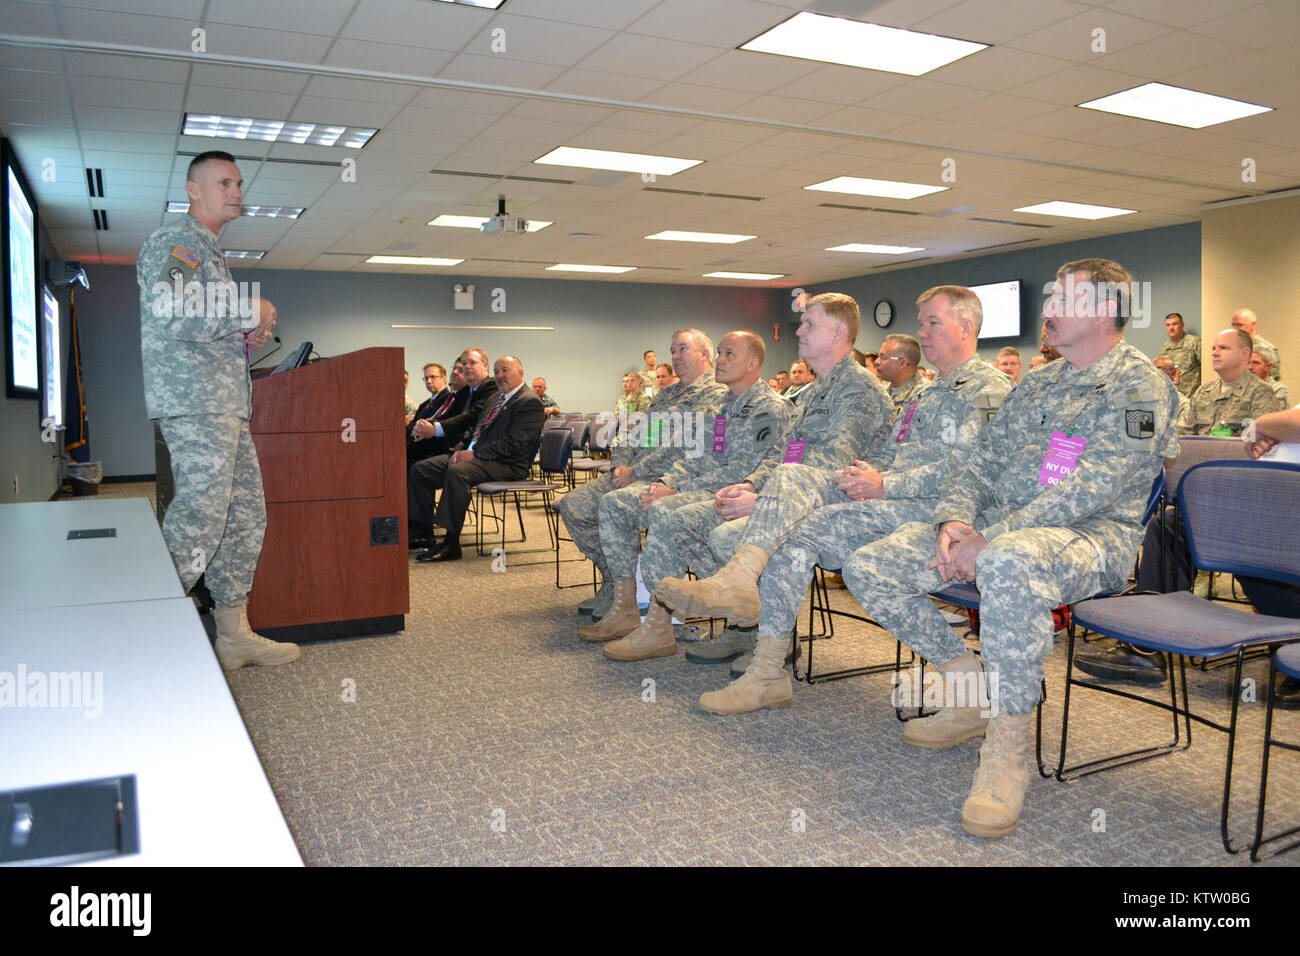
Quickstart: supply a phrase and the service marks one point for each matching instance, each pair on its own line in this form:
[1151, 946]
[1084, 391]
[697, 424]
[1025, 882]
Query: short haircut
[480, 353]
[701, 340]
[648, 352]
[1173, 315]
[754, 341]
[202, 158]
[910, 347]
[1266, 353]
[1111, 275]
[441, 371]
[842, 308]
[965, 304]
[1008, 350]
[800, 361]
[538, 378]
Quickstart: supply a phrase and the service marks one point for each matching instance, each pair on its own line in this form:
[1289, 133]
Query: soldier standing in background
[194, 350]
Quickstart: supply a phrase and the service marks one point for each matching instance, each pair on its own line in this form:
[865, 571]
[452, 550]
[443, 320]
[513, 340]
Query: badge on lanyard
[720, 434]
[794, 451]
[904, 428]
[1062, 458]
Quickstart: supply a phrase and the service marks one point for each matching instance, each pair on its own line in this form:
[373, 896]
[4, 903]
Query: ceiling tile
[648, 57]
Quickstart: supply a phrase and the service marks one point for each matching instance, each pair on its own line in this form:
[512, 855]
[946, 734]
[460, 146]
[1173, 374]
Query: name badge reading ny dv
[1062, 458]
[907, 420]
[720, 434]
[794, 451]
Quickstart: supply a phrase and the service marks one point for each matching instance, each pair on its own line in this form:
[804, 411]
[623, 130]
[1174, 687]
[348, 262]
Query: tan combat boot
[623, 617]
[952, 725]
[998, 791]
[731, 593]
[765, 684]
[653, 638]
[237, 645]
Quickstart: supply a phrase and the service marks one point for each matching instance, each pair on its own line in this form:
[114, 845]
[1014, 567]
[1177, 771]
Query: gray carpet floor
[487, 733]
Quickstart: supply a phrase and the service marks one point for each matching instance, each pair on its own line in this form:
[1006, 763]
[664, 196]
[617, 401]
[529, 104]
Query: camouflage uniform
[903, 394]
[626, 404]
[1281, 391]
[196, 384]
[1186, 356]
[842, 416]
[1258, 341]
[638, 449]
[648, 380]
[1221, 404]
[755, 420]
[929, 442]
[1049, 544]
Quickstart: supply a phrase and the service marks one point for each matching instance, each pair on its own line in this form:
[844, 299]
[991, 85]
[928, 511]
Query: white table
[167, 717]
[40, 567]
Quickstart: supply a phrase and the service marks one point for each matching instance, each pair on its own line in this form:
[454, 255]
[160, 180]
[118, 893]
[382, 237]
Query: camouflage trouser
[679, 537]
[217, 519]
[580, 509]
[1022, 576]
[828, 537]
[791, 493]
[621, 521]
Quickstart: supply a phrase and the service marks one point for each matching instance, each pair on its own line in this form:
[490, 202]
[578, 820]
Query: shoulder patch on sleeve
[1139, 423]
[185, 256]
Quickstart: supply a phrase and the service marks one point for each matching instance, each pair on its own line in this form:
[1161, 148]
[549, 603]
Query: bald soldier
[197, 388]
[1047, 510]
[748, 425]
[897, 364]
[1224, 406]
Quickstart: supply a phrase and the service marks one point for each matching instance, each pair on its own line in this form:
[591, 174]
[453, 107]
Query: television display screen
[21, 300]
[1001, 303]
[52, 378]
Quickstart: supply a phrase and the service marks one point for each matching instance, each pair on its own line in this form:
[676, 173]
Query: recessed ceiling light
[1075, 210]
[812, 36]
[474, 222]
[573, 267]
[875, 187]
[276, 131]
[263, 212]
[677, 235]
[413, 261]
[1174, 105]
[489, 4]
[874, 249]
[757, 276]
[620, 162]
[243, 253]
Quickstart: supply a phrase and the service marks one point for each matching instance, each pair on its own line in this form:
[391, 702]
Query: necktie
[490, 416]
[445, 405]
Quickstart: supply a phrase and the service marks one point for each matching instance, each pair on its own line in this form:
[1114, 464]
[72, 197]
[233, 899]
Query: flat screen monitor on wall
[51, 379]
[21, 298]
[1001, 302]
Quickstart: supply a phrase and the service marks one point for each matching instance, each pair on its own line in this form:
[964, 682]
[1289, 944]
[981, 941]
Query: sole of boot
[662, 652]
[987, 831]
[731, 712]
[686, 604]
[696, 656]
[593, 639]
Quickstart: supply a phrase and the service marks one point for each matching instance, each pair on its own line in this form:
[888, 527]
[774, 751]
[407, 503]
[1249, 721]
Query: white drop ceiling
[104, 84]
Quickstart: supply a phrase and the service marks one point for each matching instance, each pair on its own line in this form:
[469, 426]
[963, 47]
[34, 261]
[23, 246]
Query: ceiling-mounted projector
[502, 224]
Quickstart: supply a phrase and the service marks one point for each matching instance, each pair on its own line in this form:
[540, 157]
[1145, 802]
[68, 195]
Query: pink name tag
[907, 421]
[1062, 458]
[720, 434]
[794, 451]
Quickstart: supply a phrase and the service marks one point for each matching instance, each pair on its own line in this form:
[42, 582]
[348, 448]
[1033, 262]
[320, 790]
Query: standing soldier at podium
[195, 341]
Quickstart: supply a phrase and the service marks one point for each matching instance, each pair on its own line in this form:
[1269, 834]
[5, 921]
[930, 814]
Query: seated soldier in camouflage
[1046, 511]
[821, 517]
[638, 455]
[843, 416]
[730, 446]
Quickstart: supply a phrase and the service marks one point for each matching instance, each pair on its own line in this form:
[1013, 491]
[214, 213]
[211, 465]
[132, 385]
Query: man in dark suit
[500, 448]
[438, 405]
[441, 435]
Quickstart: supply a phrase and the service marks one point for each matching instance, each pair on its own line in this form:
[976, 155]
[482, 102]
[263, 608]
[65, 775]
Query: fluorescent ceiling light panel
[243, 253]
[489, 4]
[474, 222]
[812, 36]
[874, 249]
[262, 212]
[677, 235]
[276, 131]
[413, 261]
[1075, 210]
[573, 267]
[875, 187]
[756, 276]
[619, 162]
[1174, 105]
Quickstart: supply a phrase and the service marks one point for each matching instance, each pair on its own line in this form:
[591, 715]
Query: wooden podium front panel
[320, 561]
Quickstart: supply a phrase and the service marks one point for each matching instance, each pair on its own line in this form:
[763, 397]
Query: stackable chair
[1285, 661]
[600, 437]
[1240, 518]
[553, 454]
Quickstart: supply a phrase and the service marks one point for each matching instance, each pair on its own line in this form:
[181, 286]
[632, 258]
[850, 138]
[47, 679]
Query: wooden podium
[332, 448]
